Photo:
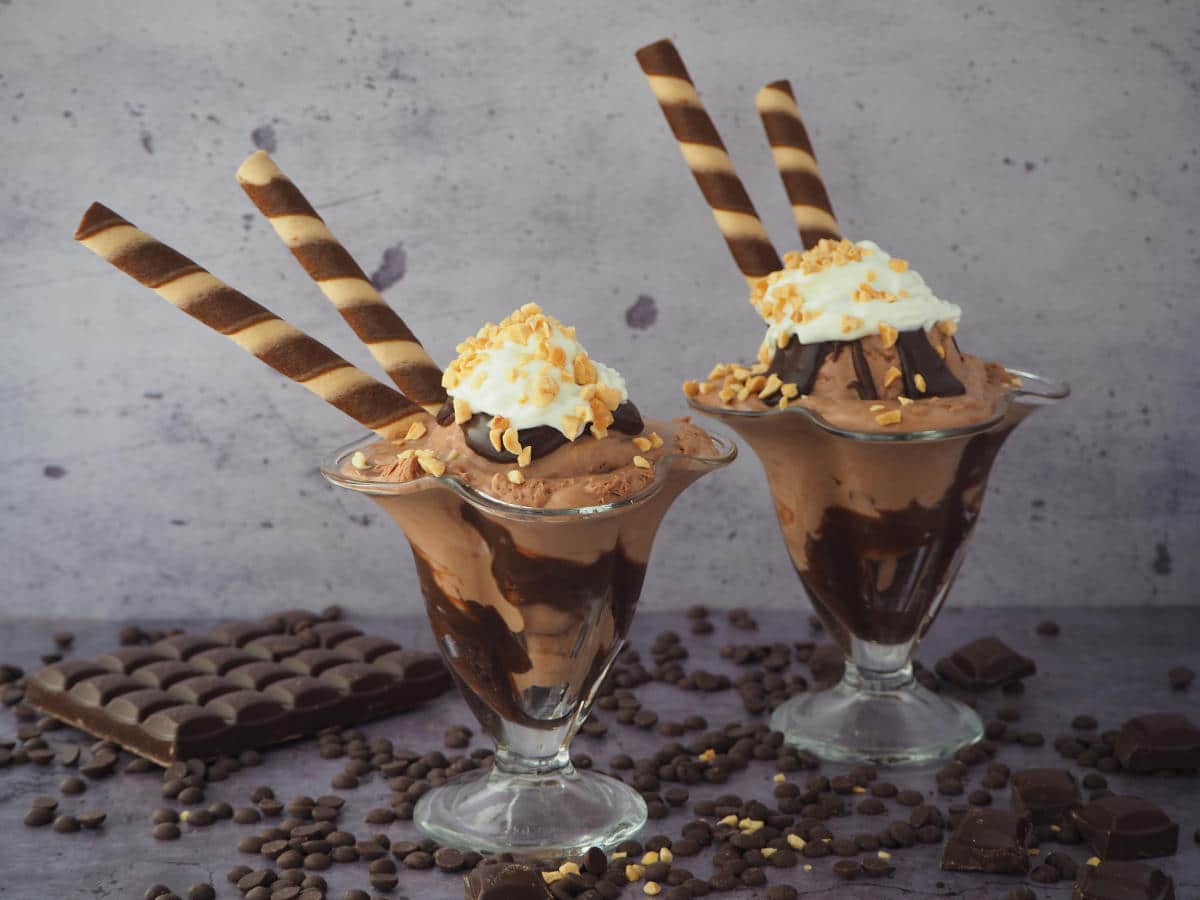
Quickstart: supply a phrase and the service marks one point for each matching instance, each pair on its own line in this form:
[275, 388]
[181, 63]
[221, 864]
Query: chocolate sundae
[530, 616]
[877, 433]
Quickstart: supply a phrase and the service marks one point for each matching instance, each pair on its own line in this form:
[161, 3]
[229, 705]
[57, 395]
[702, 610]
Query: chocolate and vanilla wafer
[280, 345]
[797, 163]
[340, 278]
[709, 161]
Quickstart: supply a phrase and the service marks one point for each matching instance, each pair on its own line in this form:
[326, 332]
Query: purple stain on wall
[391, 269]
[1162, 559]
[264, 137]
[642, 314]
[54, 471]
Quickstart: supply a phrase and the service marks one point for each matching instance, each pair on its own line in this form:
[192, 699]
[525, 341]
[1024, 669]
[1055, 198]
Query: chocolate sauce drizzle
[484, 654]
[543, 439]
[800, 363]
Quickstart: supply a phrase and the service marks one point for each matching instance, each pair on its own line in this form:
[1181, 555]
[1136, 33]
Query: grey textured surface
[1077, 673]
[1036, 161]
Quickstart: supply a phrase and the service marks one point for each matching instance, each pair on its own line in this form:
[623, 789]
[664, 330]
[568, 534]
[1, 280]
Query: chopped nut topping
[652, 888]
[571, 426]
[432, 465]
[655, 440]
[784, 402]
[796, 842]
[691, 388]
[888, 334]
[649, 858]
[552, 876]
[525, 457]
[905, 401]
[898, 265]
[512, 441]
[665, 855]
[415, 431]
[891, 375]
[948, 327]
[874, 407]
[406, 454]
[462, 411]
[515, 476]
[891, 417]
[494, 437]
[619, 854]
[1093, 861]
[569, 868]
[883, 854]
[730, 820]
[708, 756]
[789, 389]
[919, 381]
[641, 462]
[773, 384]
[634, 872]
[642, 443]
[359, 460]
[939, 350]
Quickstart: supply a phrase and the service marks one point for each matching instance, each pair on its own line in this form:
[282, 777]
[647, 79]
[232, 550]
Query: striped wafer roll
[281, 346]
[341, 279]
[797, 163]
[709, 161]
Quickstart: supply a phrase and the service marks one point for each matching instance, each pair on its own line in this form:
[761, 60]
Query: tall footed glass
[529, 607]
[877, 525]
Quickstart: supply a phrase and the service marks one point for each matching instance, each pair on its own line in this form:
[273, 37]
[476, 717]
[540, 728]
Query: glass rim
[1037, 388]
[332, 463]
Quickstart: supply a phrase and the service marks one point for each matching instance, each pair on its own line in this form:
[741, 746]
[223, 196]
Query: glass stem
[879, 667]
[511, 762]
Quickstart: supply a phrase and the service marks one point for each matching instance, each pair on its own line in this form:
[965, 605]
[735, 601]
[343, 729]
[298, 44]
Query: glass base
[550, 815]
[900, 724]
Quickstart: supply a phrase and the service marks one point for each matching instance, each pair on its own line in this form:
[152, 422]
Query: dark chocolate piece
[917, 357]
[542, 439]
[988, 840]
[1047, 795]
[984, 663]
[1122, 881]
[246, 685]
[505, 881]
[1158, 741]
[1127, 828]
[798, 363]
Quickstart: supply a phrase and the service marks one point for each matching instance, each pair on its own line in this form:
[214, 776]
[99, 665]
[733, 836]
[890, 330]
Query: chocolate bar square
[984, 663]
[1123, 827]
[988, 840]
[1047, 795]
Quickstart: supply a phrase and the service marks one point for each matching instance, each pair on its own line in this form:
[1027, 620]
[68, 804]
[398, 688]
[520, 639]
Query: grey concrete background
[1036, 160]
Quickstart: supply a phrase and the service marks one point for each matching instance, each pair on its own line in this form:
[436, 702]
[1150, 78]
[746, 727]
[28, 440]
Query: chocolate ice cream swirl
[542, 439]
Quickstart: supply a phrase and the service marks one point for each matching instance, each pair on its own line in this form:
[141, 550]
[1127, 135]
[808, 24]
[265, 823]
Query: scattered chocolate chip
[1180, 678]
[1048, 628]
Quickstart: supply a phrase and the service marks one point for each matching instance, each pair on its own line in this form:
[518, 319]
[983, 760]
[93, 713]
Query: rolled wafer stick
[709, 161]
[252, 327]
[341, 279]
[797, 163]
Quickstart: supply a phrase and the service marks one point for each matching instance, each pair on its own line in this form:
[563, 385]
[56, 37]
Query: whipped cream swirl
[843, 291]
[530, 372]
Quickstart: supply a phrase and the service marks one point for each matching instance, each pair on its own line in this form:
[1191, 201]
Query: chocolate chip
[847, 869]
[1084, 723]
[166, 831]
[92, 819]
[909, 798]
[876, 867]
[1048, 628]
[201, 891]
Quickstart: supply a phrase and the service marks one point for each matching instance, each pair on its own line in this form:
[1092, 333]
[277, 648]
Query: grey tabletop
[1108, 663]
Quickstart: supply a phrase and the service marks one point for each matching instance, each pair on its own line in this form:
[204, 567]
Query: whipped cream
[529, 371]
[842, 291]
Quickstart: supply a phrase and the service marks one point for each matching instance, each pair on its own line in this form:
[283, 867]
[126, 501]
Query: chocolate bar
[984, 663]
[244, 685]
[1127, 828]
[988, 840]
[1128, 880]
[1047, 795]
[1158, 741]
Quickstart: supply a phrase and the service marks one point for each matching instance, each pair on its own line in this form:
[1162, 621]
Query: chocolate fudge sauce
[485, 655]
[877, 577]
